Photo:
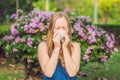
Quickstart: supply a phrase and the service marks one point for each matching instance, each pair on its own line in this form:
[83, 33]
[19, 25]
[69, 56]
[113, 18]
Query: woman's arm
[72, 63]
[48, 65]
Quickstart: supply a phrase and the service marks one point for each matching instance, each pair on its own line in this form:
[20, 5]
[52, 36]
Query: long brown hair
[51, 27]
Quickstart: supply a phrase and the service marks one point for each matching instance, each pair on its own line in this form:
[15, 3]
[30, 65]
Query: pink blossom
[76, 27]
[93, 33]
[35, 20]
[80, 22]
[89, 29]
[86, 58]
[110, 44]
[81, 33]
[94, 28]
[40, 25]
[98, 34]
[33, 25]
[88, 51]
[116, 50]
[17, 25]
[15, 50]
[17, 39]
[92, 39]
[108, 37]
[26, 27]
[102, 47]
[85, 37]
[72, 31]
[103, 58]
[66, 10]
[8, 37]
[14, 31]
[88, 19]
[31, 31]
[28, 60]
[30, 42]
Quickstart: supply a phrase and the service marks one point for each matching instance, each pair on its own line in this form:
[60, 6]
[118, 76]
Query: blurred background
[101, 11]
[104, 14]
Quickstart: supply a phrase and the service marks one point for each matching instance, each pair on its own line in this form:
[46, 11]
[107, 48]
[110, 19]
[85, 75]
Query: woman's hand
[56, 40]
[66, 40]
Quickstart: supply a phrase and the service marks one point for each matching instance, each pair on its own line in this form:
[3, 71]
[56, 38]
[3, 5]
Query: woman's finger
[56, 33]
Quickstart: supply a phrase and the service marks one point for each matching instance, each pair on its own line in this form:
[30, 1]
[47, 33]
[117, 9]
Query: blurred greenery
[95, 71]
[108, 10]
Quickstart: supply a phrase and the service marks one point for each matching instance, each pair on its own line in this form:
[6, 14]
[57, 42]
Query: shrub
[21, 45]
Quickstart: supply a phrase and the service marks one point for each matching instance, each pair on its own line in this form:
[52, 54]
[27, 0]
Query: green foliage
[41, 4]
[22, 44]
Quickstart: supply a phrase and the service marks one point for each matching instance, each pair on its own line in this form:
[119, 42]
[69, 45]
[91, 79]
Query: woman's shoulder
[75, 44]
[43, 44]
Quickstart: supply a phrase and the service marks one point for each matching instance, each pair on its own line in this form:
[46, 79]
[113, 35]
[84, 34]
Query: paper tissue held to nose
[62, 38]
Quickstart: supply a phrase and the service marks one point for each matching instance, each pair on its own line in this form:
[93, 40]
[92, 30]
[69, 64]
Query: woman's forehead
[61, 21]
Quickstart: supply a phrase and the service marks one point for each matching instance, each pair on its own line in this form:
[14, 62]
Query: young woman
[59, 57]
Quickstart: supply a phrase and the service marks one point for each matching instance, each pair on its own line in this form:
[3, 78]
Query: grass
[109, 70]
[95, 71]
[4, 28]
[8, 72]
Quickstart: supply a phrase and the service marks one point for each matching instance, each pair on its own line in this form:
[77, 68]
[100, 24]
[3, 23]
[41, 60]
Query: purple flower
[102, 47]
[93, 33]
[80, 22]
[28, 60]
[31, 31]
[116, 50]
[33, 25]
[88, 51]
[81, 17]
[35, 20]
[103, 32]
[14, 43]
[17, 39]
[76, 27]
[85, 37]
[94, 28]
[110, 44]
[13, 16]
[66, 10]
[108, 37]
[15, 50]
[14, 31]
[26, 27]
[86, 58]
[89, 29]
[98, 34]
[30, 42]
[17, 25]
[81, 33]
[92, 39]
[40, 25]
[8, 37]
[103, 58]
[113, 37]
[30, 39]
[72, 31]
[88, 19]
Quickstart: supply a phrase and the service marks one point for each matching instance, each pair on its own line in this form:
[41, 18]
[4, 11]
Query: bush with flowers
[30, 29]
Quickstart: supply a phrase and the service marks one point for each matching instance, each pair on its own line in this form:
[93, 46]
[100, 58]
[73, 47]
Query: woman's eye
[57, 28]
[64, 28]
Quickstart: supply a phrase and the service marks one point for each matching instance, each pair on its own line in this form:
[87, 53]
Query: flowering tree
[96, 44]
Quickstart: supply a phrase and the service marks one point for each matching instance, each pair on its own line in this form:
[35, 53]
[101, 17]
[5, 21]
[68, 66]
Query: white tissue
[62, 33]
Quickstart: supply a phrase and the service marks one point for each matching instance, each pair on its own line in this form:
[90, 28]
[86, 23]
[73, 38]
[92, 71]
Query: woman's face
[62, 24]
